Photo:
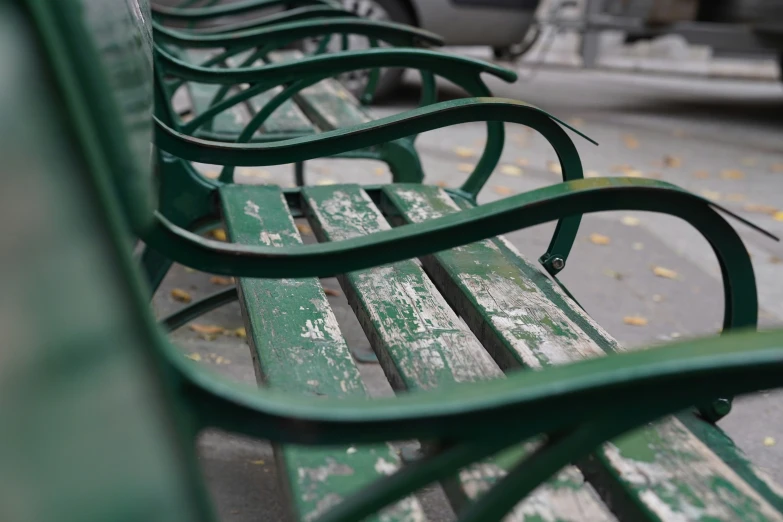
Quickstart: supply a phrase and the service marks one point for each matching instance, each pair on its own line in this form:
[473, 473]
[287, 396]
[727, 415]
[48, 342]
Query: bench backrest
[88, 431]
[101, 54]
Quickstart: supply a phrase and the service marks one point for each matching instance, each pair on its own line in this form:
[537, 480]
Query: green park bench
[520, 400]
[226, 80]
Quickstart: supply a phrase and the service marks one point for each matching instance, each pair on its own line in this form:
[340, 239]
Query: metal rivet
[558, 263]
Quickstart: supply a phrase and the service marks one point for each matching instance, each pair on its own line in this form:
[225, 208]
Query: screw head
[558, 263]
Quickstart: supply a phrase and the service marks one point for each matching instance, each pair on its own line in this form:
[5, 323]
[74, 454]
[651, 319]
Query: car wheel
[383, 10]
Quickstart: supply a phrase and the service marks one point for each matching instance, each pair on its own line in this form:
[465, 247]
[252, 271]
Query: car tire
[394, 11]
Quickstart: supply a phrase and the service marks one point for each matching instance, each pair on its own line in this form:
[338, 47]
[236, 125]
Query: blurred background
[686, 91]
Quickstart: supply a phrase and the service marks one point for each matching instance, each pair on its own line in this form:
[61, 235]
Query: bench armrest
[291, 15]
[280, 34]
[194, 14]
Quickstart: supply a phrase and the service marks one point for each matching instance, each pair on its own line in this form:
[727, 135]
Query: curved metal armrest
[290, 15]
[474, 224]
[192, 14]
[390, 32]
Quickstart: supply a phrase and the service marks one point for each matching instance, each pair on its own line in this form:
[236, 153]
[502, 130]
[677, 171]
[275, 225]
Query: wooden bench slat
[297, 347]
[666, 471]
[327, 103]
[423, 344]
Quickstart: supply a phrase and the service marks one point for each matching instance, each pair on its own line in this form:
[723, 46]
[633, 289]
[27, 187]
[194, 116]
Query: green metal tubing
[475, 224]
[528, 403]
[292, 15]
[390, 32]
[194, 14]
[199, 308]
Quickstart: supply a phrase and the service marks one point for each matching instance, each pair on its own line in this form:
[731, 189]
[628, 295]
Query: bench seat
[466, 314]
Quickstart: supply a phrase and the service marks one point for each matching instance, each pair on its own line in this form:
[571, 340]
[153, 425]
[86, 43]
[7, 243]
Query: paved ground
[719, 138]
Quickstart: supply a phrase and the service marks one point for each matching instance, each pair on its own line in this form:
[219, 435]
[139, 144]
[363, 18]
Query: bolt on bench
[509, 381]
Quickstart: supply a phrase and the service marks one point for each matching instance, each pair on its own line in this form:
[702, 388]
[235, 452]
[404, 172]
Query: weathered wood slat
[327, 103]
[422, 344]
[297, 347]
[663, 472]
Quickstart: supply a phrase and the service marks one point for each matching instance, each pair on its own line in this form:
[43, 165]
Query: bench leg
[403, 161]
[299, 174]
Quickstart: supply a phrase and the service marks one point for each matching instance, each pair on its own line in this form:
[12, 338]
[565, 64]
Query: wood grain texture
[297, 346]
[422, 343]
[662, 472]
[327, 103]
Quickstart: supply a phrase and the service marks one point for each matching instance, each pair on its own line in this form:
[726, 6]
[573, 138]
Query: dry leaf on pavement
[576, 122]
[326, 182]
[523, 162]
[466, 167]
[769, 441]
[554, 167]
[180, 295]
[240, 332]
[592, 174]
[503, 191]
[221, 281]
[732, 174]
[600, 239]
[635, 320]
[672, 162]
[666, 273]
[778, 216]
[332, 292]
[464, 152]
[510, 170]
[736, 197]
[701, 174]
[304, 229]
[380, 171]
[219, 234]
[630, 141]
[760, 209]
[441, 184]
[194, 357]
[207, 329]
[211, 174]
[710, 194]
[630, 221]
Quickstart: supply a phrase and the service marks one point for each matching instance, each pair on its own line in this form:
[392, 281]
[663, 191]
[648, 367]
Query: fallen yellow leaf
[326, 182]
[194, 357]
[554, 167]
[666, 273]
[503, 191]
[701, 174]
[257, 462]
[221, 360]
[380, 171]
[576, 122]
[523, 162]
[750, 161]
[732, 174]
[710, 194]
[240, 332]
[672, 162]
[219, 234]
[769, 441]
[630, 141]
[600, 239]
[635, 320]
[630, 221]
[464, 152]
[222, 281]
[332, 292]
[304, 229]
[441, 184]
[180, 295]
[510, 170]
[613, 274]
[592, 174]
[211, 174]
[466, 167]
[778, 216]
[253, 172]
[775, 260]
[207, 329]
[760, 209]
[622, 168]
[633, 173]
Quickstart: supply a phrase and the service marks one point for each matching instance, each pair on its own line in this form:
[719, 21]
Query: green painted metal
[280, 314]
[511, 307]
[106, 357]
[197, 309]
[195, 14]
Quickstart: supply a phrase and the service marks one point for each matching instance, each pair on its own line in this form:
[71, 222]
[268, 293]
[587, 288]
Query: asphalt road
[715, 137]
